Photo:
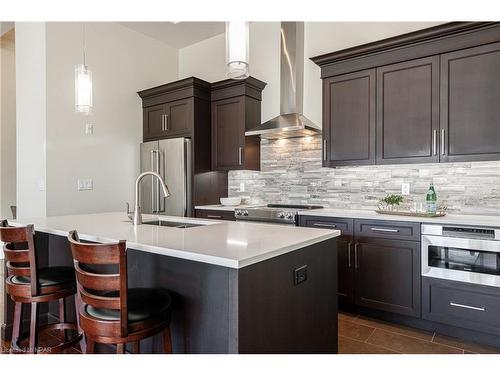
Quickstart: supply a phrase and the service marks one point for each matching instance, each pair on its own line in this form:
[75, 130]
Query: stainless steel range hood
[291, 122]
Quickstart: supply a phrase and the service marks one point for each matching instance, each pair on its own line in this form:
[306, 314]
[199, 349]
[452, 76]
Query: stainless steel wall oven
[461, 253]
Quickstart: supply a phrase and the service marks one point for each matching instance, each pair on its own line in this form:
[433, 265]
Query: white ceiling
[177, 35]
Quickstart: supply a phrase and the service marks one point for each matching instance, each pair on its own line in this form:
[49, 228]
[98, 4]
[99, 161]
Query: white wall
[30, 119]
[122, 62]
[7, 124]
[206, 59]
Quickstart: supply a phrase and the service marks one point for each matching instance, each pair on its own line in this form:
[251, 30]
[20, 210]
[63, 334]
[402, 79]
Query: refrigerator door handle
[153, 203]
[158, 194]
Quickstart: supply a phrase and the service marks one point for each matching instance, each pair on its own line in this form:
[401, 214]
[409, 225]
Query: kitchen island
[237, 287]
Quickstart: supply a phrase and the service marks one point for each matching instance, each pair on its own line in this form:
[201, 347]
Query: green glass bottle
[431, 200]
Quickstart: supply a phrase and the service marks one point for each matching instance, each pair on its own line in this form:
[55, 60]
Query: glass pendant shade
[83, 89]
[237, 48]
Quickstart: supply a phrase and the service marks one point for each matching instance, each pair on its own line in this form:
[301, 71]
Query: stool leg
[120, 349]
[167, 341]
[34, 328]
[83, 342]
[136, 347]
[16, 327]
[90, 347]
[62, 316]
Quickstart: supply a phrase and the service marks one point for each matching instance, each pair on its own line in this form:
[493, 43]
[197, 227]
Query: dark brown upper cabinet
[235, 109]
[408, 112]
[470, 104]
[169, 110]
[436, 98]
[349, 119]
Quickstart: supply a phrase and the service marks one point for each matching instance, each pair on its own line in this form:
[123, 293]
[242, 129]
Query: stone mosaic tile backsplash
[291, 172]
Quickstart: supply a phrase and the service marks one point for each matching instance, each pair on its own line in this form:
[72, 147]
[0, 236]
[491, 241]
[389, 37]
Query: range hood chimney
[291, 122]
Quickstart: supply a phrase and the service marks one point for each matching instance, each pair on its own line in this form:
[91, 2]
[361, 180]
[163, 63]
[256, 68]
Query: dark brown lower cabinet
[387, 275]
[465, 305]
[215, 214]
[345, 270]
[376, 268]
[345, 252]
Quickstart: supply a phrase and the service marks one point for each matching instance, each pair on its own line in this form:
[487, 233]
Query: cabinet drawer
[215, 214]
[461, 304]
[344, 225]
[387, 229]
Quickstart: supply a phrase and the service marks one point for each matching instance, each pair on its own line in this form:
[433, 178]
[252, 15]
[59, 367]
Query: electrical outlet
[89, 129]
[405, 188]
[242, 187]
[41, 185]
[300, 275]
[85, 184]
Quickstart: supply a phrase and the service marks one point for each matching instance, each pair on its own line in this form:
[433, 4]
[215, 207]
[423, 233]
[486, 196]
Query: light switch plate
[85, 184]
[89, 129]
[405, 188]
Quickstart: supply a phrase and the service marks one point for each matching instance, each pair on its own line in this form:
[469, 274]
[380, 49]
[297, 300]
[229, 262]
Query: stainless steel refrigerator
[171, 159]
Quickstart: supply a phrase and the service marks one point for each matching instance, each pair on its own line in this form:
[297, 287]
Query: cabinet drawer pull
[384, 230]
[325, 225]
[324, 149]
[356, 260]
[214, 217]
[467, 306]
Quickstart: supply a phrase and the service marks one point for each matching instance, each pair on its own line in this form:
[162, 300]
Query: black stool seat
[48, 276]
[143, 303]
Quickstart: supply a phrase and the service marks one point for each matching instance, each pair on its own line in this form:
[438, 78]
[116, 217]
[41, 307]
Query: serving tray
[409, 213]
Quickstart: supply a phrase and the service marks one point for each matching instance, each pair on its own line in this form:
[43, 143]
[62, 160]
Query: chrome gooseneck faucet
[136, 216]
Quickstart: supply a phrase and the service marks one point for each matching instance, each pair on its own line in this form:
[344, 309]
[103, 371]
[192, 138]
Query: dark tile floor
[358, 335]
[361, 335]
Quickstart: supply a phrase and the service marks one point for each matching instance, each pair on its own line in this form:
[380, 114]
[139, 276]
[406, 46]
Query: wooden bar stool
[27, 283]
[111, 313]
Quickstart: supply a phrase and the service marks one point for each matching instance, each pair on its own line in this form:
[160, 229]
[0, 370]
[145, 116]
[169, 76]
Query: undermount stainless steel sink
[172, 224]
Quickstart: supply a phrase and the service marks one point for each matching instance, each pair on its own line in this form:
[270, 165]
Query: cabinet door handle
[349, 246]
[467, 306]
[434, 142]
[443, 142]
[214, 216]
[325, 225]
[384, 230]
[167, 125]
[162, 122]
[325, 153]
[240, 155]
[356, 260]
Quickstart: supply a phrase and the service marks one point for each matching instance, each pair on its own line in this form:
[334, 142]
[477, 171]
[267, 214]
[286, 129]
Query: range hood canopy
[291, 122]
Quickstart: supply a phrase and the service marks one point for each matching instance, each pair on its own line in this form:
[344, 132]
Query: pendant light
[237, 46]
[83, 84]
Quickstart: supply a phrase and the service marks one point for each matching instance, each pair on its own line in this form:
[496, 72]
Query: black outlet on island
[300, 275]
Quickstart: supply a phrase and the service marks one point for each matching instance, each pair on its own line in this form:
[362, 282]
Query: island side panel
[203, 305]
[204, 308]
[277, 316]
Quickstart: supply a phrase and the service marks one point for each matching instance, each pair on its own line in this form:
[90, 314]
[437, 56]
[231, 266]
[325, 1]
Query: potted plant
[391, 202]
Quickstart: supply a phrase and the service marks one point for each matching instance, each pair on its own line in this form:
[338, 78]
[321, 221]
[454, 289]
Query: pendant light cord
[84, 46]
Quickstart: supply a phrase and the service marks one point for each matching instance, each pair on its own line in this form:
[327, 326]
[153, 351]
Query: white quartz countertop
[224, 243]
[480, 220]
[220, 207]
